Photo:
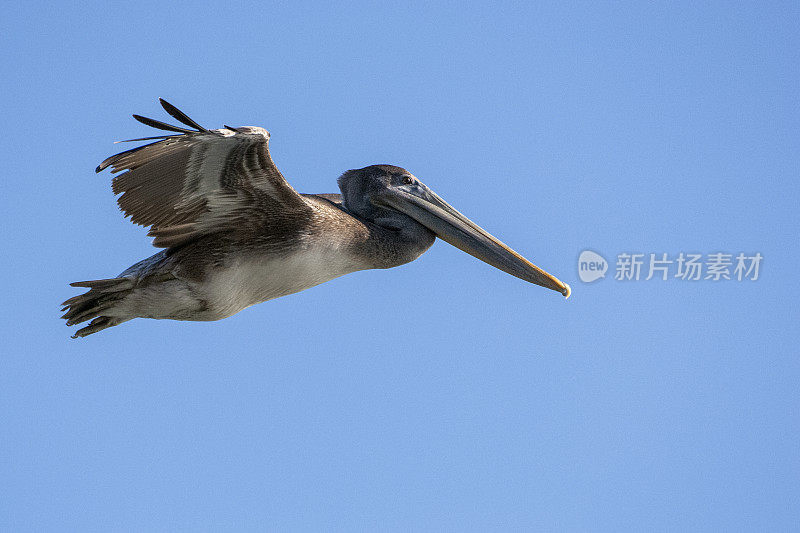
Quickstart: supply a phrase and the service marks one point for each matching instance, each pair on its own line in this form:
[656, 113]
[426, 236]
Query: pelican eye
[408, 180]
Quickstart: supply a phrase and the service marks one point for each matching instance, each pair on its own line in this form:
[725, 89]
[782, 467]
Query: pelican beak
[427, 208]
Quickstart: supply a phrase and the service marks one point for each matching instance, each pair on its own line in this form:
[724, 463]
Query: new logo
[591, 266]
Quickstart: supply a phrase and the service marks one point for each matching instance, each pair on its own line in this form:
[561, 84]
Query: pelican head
[391, 197]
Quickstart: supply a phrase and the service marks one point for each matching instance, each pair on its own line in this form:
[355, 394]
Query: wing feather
[180, 116]
[201, 182]
[157, 124]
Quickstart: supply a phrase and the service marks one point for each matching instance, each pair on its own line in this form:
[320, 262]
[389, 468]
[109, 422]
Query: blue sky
[444, 394]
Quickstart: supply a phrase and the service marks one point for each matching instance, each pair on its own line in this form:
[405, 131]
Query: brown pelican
[235, 233]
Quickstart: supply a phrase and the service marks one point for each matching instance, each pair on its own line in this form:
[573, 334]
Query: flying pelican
[235, 233]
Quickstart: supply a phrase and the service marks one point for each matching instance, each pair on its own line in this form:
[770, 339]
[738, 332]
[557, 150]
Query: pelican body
[235, 233]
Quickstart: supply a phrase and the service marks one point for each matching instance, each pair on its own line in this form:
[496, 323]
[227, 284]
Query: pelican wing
[201, 181]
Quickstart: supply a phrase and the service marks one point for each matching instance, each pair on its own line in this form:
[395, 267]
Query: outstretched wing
[201, 181]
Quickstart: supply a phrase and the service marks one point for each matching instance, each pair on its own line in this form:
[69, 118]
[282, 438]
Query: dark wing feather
[179, 115]
[145, 138]
[153, 123]
[202, 182]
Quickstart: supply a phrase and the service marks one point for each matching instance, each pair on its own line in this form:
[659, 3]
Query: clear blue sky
[444, 394]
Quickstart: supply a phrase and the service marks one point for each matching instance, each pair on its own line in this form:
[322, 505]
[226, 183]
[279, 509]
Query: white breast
[248, 281]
